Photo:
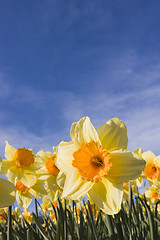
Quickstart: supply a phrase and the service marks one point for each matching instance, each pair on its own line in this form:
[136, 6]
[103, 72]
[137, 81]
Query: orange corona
[51, 167]
[21, 187]
[152, 171]
[92, 161]
[23, 157]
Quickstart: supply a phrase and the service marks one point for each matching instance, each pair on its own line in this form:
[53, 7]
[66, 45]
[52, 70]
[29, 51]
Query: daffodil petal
[23, 200]
[44, 155]
[38, 163]
[7, 193]
[125, 166]
[9, 151]
[14, 174]
[75, 187]
[37, 191]
[29, 179]
[6, 164]
[107, 196]
[64, 156]
[113, 134]
[52, 183]
[157, 161]
[61, 177]
[148, 156]
[83, 131]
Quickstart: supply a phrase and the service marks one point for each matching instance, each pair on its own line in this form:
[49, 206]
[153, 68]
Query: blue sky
[63, 60]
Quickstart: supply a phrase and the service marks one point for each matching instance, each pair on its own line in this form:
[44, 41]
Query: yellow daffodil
[20, 164]
[152, 169]
[48, 172]
[24, 194]
[153, 194]
[7, 193]
[97, 163]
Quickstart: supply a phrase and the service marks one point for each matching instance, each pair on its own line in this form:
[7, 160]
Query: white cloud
[138, 106]
[20, 137]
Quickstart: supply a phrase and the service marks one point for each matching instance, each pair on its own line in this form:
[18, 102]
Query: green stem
[9, 231]
[36, 208]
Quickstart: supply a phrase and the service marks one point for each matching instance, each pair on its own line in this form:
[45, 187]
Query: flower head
[97, 163]
[152, 169]
[20, 164]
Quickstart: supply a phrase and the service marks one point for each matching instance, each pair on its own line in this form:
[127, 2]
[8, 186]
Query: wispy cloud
[138, 106]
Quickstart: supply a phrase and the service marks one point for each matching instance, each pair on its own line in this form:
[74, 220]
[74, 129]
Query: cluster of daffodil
[95, 163]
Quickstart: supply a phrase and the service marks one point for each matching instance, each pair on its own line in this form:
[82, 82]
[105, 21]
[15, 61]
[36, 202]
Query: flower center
[96, 161]
[51, 167]
[21, 187]
[92, 161]
[23, 157]
[151, 171]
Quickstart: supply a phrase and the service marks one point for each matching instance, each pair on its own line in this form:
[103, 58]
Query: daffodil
[48, 172]
[7, 193]
[20, 164]
[152, 169]
[24, 194]
[97, 163]
[153, 194]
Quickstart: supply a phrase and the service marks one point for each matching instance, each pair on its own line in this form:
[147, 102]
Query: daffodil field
[88, 188]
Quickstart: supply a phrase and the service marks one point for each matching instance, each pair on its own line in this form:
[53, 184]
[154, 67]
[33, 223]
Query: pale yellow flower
[48, 172]
[7, 193]
[24, 194]
[152, 169]
[153, 194]
[20, 164]
[97, 163]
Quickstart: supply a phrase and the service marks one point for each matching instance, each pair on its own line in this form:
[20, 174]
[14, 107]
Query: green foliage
[136, 220]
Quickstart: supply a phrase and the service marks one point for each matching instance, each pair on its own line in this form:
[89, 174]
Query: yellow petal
[83, 131]
[61, 177]
[113, 134]
[23, 200]
[107, 196]
[44, 155]
[29, 179]
[37, 191]
[42, 173]
[139, 151]
[6, 164]
[7, 193]
[14, 174]
[75, 187]
[64, 156]
[125, 166]
[9, 151]
[148, 156]
[157, 161]
[52, 183]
